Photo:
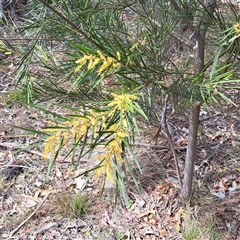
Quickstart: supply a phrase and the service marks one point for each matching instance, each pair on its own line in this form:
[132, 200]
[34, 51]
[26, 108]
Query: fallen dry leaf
[143, 214]
[177, 218]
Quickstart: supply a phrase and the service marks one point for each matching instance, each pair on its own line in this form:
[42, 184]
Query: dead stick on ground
[30, 216]
[166, 131]
[17, 146]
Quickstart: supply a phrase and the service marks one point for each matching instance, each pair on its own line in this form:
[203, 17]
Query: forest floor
[33, 209]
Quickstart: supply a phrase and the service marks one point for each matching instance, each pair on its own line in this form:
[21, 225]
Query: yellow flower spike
[84, 127]
[100, 54]
[81, 60]
[129, 60]
[109, 174]
[114, 127]
[108, 63]
[104, 66]
[122, 134]
[65, 138]
[105, 169]
[8, 53]
[94, 118]
[237, 28]
[93, 62]
[122, 102]
[103, 121]
[111, 112]
[93, 113]
[74, 132]
[50, 145]
[94, 123]
[143, 41]
[80, 65]
[118, 56]
[115, 65]
[133, 47]
[113, 151]
[77, 128]
[124, 123]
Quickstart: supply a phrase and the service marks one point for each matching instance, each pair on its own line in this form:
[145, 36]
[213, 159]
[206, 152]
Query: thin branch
[30, 216]
[75, 27]
[15, 166]
[229, 109]
[166, 130]
[184, 41]
[179, 38]
[156, 135]
[17, 146]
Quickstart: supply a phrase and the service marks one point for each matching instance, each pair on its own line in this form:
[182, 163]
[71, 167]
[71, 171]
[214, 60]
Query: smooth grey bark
[191, 151]
[1, 9]
[200, 36]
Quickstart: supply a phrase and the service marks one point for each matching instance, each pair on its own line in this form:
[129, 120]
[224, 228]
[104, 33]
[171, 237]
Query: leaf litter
[28, 207]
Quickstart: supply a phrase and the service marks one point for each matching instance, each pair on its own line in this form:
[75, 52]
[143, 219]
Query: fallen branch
[17, 146]
[30, 216]
[146, 145]
[44, 228]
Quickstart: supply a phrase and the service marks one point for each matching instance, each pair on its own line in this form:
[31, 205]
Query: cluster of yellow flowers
[122, 103]
[74, 129]
[77, 129]
[237, 28]
[113, 150]
[107, 63]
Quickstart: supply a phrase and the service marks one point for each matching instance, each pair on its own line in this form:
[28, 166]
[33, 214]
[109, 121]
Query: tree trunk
[191, 151]
[200, 35]
[1, 9]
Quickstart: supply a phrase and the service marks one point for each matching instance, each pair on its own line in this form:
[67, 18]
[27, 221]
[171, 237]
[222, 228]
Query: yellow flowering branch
[106, 63]
[74, 129]
[122, 103]
[77, 128]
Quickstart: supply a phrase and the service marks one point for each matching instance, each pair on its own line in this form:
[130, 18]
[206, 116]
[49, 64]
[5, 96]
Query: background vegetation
[115, 65]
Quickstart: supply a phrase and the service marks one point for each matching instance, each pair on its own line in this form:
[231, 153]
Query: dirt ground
[33, 209]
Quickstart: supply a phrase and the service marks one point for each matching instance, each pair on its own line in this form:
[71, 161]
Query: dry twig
[166, 131]
[17, 146]
[30, 216]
